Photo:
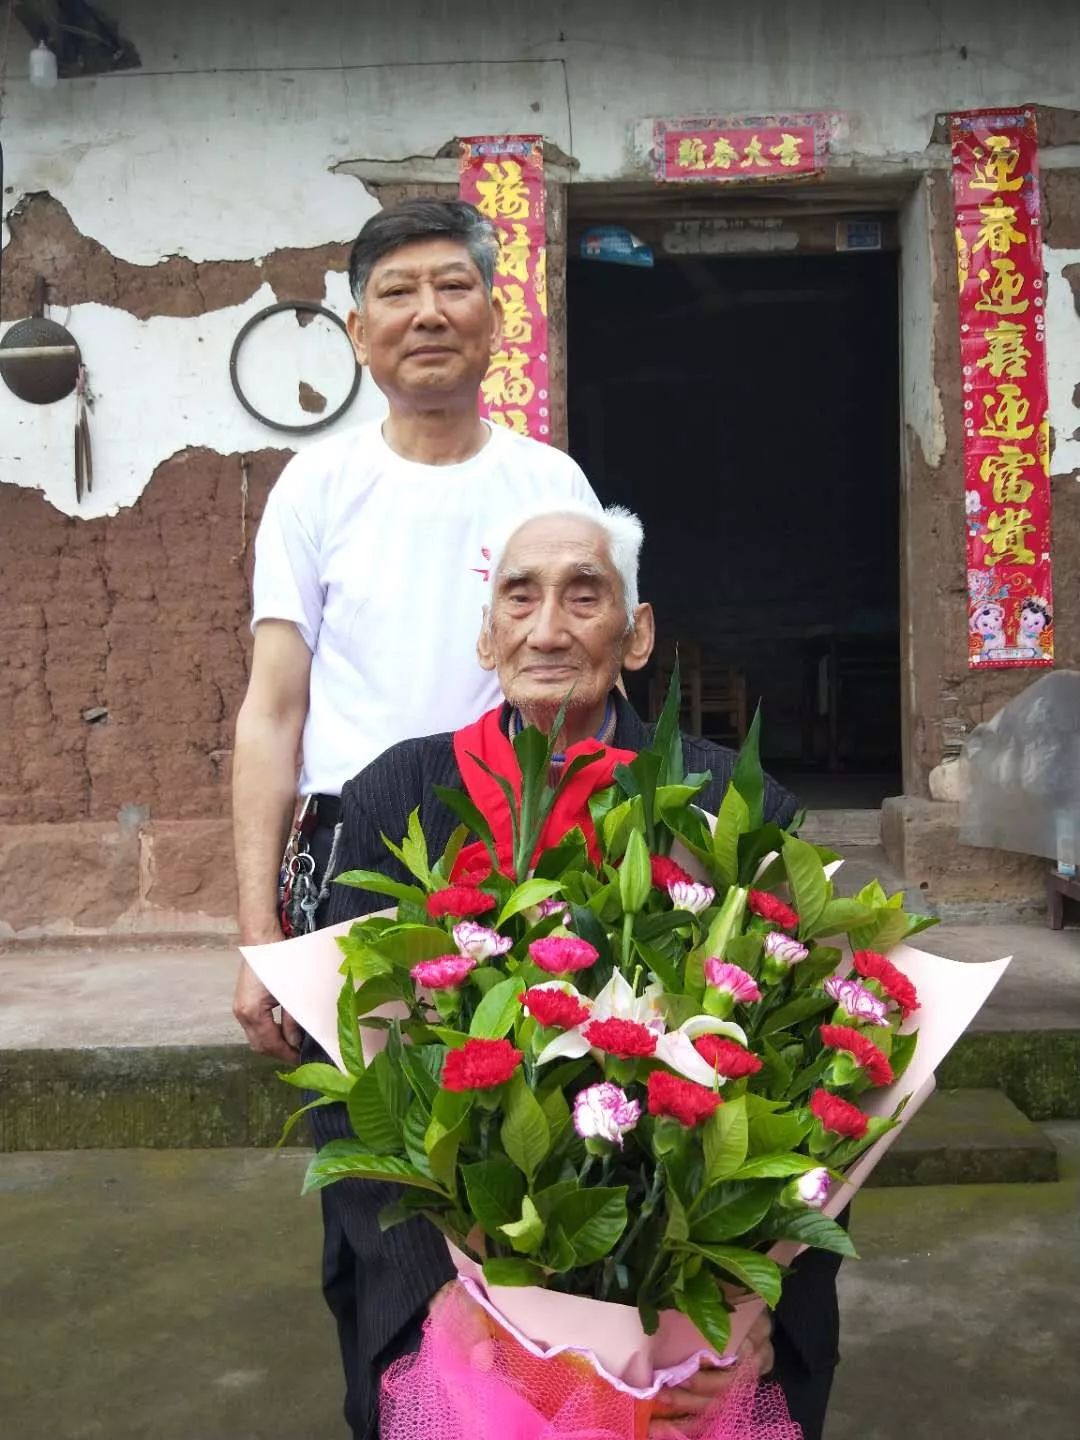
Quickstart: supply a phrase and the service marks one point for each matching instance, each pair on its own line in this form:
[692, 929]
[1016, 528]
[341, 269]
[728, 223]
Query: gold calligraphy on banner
[503, 176]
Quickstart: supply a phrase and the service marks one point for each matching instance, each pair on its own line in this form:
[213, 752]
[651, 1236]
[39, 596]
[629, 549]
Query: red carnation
[894, 982]
[770, 908]
[666, 872]
[684, 1101]
[460, 901]
[864, 1052]
[554, 1007]
[624, 1038]
[480, 1065]
[727, 1057]
[839, 1116]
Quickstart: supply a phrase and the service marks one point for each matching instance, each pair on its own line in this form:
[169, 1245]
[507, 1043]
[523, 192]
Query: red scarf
[486, 740]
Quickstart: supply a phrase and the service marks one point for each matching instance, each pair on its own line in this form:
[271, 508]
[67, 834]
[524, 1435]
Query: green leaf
[732, 1210]
[525, 1135]
[372, 880]
[589, 928]
[513, 1272]
[291, 1121]
[753, 847]
[701, 1302]
[795, 1010]
[495, 1189]
[460, 805]
[771, 1134]
[838, 918]
[525, 1235]
[348, 1028]
[556, 1113]
[809, 883]
[732, 822]
[422, 1066]
[769, 1167]
[892, 927]
[417, 1120]
[327, 1079]
[725, 1140]
[495, 1015]
[377, 1106]
[379, 990]
[903, 1048]
[361, 961]
[404, 944]
[666, 741]
[665, 970]
[546, 1199]
[530, 893]
[592, 1219]
[569, 854]
[810, 1227]
[347, 1159]
[413, 852]
[446, 1129]
[748, 777]
[635, 879]
[757, 1272]
[678, 1226]
[443, 867]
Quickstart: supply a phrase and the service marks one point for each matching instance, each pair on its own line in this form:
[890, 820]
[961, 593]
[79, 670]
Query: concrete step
[106, 1047]
[968, 1137]
[840, 828]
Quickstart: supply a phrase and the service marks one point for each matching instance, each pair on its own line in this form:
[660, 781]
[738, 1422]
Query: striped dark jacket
[404, 1267]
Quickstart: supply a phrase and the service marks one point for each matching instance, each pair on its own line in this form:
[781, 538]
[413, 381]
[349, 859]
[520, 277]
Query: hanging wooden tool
[84, 461]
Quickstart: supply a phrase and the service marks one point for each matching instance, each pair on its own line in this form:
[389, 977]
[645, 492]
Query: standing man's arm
[268, 731]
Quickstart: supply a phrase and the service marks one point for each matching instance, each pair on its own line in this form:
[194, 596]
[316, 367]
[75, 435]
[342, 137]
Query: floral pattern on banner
[503, 176]
[1003, 357]
[748, 147]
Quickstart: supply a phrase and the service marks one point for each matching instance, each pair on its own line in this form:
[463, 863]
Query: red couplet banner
[995, 161]
[503, 176]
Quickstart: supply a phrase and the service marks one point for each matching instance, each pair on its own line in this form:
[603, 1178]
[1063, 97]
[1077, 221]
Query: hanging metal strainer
[40, 380]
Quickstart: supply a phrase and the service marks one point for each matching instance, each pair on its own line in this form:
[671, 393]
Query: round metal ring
[309, 307]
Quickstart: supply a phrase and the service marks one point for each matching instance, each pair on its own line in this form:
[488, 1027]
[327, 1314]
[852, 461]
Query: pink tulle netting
[470, 1379]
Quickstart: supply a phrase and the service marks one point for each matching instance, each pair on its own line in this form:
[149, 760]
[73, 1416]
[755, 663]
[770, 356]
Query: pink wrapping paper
[305, 975]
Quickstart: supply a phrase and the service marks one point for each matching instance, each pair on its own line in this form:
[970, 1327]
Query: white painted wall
[224, 146]
[1062, 361]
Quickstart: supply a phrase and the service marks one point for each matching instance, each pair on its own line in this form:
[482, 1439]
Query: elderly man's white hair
[622, 529]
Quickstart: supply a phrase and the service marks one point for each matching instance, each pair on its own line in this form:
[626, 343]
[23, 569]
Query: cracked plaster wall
[173, 202]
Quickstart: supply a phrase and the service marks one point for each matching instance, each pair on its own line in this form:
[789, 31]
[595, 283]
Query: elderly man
[370, 580]
[564, 617]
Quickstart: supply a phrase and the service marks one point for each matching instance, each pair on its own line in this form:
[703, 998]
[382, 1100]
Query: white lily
[674, 1048]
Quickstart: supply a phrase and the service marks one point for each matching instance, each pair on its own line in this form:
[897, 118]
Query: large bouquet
[630, 1067]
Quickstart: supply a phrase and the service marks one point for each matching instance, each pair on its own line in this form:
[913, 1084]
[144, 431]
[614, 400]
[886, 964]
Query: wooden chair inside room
[713, 696]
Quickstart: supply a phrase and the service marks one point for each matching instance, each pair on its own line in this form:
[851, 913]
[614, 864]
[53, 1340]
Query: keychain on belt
[298, 893]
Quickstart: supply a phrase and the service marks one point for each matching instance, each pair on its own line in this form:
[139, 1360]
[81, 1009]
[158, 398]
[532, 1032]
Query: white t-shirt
[381, 563]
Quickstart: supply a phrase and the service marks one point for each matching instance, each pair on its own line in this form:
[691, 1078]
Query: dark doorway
[747, 409]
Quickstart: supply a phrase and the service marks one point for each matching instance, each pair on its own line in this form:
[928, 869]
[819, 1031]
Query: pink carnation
[559, 954]
[731, 979]
[443, 973]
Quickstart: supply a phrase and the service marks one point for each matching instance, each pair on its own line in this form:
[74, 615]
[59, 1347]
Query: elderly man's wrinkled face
[557, 620]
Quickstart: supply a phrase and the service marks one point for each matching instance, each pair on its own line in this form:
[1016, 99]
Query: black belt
[324, 813]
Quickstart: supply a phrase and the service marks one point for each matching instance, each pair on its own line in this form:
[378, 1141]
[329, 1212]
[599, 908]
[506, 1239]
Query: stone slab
[921, 839]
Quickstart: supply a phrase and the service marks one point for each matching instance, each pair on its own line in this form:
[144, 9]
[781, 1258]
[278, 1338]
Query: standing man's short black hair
[423, 219]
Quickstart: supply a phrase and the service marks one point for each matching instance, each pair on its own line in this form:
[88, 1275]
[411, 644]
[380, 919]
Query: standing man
[371, 573]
